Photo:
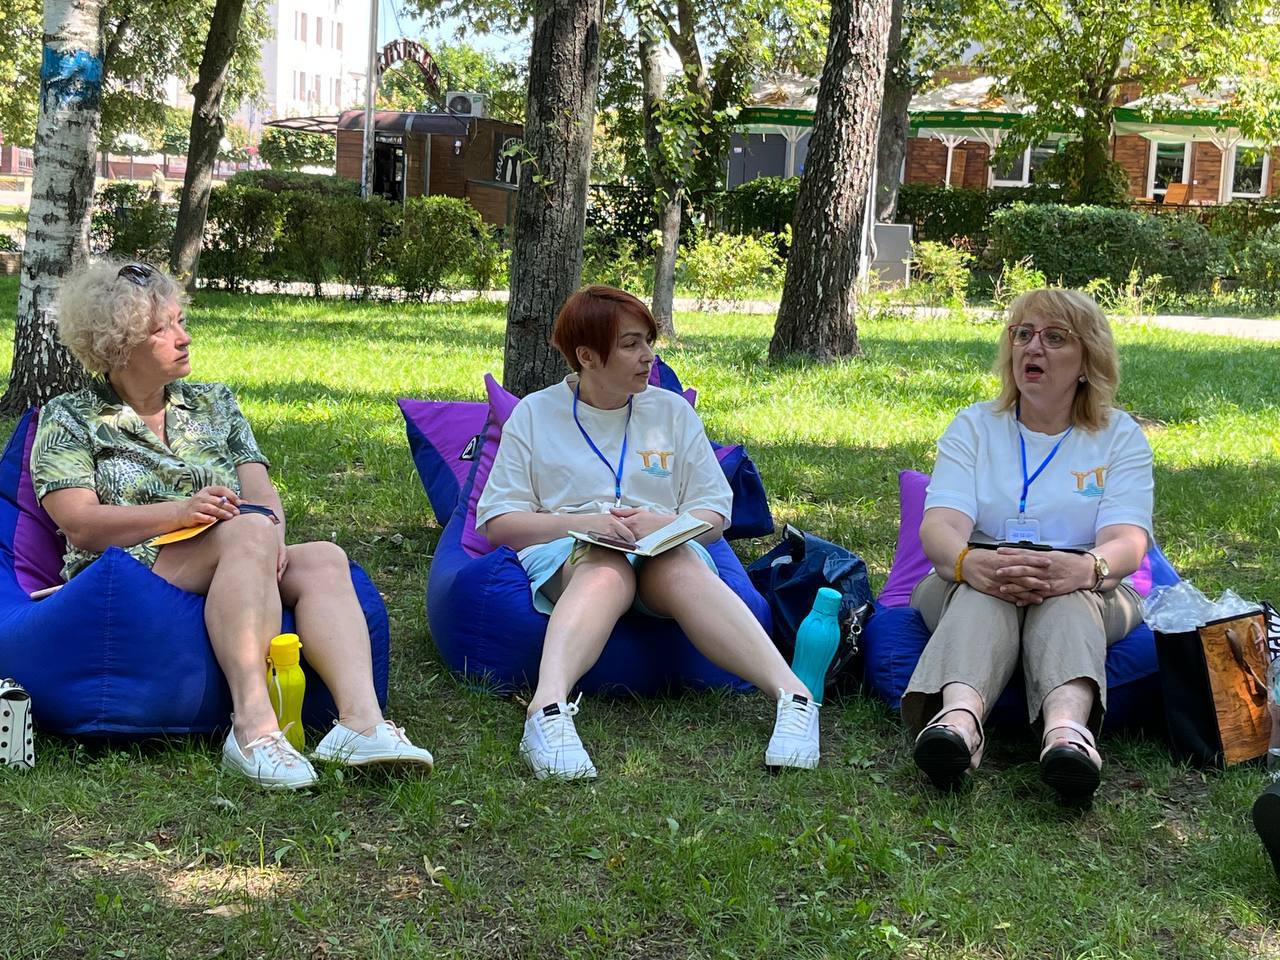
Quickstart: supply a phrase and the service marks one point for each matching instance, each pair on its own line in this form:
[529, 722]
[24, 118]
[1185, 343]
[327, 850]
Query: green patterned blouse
[93, 439]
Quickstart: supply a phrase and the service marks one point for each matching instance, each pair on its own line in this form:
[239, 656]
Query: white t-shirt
[544, 464]
[1095, 479]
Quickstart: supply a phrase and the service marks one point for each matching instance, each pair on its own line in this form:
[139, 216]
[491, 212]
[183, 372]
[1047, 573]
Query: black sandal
[942, 752]
[1069, 767]
[1266, 820]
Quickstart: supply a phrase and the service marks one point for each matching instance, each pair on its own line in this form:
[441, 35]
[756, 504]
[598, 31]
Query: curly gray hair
[103, 313]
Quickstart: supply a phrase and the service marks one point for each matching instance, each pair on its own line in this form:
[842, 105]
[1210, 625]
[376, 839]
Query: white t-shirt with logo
[1096, 479]
[544, 464]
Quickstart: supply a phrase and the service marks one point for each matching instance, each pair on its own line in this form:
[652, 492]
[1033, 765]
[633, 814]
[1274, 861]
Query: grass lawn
[684, 847]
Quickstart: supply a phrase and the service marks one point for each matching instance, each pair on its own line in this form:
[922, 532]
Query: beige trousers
[977, 640]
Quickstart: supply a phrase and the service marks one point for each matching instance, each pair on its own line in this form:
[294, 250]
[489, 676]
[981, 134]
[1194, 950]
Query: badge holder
[1022, 530]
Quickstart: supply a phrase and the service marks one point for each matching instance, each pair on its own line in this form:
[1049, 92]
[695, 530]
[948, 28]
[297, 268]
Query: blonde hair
[1080, 314]
[102, 316]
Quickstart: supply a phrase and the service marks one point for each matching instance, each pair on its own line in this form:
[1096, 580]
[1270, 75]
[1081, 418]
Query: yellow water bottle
[286, 685]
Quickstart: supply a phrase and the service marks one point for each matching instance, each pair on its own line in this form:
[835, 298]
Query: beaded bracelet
[960, 563]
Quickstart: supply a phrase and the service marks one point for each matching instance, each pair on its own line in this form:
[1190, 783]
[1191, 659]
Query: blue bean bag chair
[895, 636]
[119, 650]
[479, 608]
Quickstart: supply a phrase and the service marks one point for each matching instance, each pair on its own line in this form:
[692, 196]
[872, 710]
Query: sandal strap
[1084, 741]
[937, 717]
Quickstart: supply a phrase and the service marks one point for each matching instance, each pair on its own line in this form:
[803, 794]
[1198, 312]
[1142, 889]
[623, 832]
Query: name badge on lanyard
[1022, 527]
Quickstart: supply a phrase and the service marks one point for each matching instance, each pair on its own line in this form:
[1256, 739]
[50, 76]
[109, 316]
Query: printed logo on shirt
[656, 462]
[1091, 482]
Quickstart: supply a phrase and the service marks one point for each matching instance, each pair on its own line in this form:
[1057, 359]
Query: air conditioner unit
[463, 104]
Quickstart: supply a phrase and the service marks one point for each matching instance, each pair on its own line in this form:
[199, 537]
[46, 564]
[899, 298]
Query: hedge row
[1073, 245]
[292, 227]
[961, 216]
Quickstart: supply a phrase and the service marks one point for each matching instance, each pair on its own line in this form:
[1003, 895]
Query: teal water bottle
[816, 642]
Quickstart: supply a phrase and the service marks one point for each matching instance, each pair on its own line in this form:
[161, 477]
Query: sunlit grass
[683, 848]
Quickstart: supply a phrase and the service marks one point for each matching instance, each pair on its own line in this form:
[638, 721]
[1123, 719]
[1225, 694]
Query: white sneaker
[270, 761]
[387, 744]
[551, 745]
[795, 733]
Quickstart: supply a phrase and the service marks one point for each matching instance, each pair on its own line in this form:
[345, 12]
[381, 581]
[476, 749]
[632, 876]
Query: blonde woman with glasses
[1038, 509]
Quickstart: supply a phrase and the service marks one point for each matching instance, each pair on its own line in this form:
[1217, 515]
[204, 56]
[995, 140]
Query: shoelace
[555, 727]
[277, 748]
[795, 720]
[397, 732]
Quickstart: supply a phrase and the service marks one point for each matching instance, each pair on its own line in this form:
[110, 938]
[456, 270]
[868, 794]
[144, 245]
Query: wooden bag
[1215, 691]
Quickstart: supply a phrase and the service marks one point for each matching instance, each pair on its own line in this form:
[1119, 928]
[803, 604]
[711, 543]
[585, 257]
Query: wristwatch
[1101, 570]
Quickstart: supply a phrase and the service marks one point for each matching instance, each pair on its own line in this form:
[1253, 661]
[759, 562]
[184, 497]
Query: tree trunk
[61, 199]
[816, 315]
[1095, 155]
[668, 197]
[207, 128]
[551, 205]
[895, 121]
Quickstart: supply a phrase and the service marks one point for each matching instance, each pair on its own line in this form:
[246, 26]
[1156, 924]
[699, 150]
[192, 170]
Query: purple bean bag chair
[119, 650]
[479, 609]
[895, 636]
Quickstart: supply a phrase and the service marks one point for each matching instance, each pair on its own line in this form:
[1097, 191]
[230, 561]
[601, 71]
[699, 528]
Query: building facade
[317, 62]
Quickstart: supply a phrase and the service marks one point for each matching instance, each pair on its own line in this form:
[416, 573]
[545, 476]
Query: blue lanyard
[1027, 481]
[622, 457]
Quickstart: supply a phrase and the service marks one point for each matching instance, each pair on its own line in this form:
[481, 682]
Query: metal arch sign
[404, 49]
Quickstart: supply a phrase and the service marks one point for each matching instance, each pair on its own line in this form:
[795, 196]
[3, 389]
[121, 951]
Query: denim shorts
[543, 560]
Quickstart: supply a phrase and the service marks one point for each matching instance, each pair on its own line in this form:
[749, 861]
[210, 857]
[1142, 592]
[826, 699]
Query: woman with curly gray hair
[141, 453]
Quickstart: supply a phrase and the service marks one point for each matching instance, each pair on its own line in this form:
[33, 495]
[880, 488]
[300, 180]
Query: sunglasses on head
[137, 273]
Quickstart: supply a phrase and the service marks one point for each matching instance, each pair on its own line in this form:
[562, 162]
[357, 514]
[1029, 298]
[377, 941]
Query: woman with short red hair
[602, 452]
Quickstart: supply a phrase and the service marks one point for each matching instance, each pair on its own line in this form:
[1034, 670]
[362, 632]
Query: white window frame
[1025, 181]
[1151, 166]
[1026, 173]
[1235, 194]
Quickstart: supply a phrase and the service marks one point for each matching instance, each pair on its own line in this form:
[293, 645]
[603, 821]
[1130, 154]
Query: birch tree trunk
[895, 120]
[546, 250]
[668, 199]
[61, 199]
[207, 129]
[816, 315]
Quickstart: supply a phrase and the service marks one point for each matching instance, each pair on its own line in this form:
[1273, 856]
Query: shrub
[1016, 279]
[1237, 222]
[127, 224]
[438, 242]
[491, 261]
[943, 273]
[9, 243]
[291, 149]
[280, 181]
[952, 214]
[361, 228]
[621, 211]
[1074, 245]
[306, 248]
[626, 265]
[240, 234]
[1257, 267]
[1137, 296]
[723, 265]
[762, 205]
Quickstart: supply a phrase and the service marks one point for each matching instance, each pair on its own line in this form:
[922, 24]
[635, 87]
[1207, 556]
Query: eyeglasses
[137, 273]
[1051, 338]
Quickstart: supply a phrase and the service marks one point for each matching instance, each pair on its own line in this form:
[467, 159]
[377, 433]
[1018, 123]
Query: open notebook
[680, 530]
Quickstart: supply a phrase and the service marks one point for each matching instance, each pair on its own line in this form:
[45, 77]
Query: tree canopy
[1072, 58]
[144, 43]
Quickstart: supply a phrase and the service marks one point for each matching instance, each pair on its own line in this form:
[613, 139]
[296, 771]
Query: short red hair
[591, 317]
